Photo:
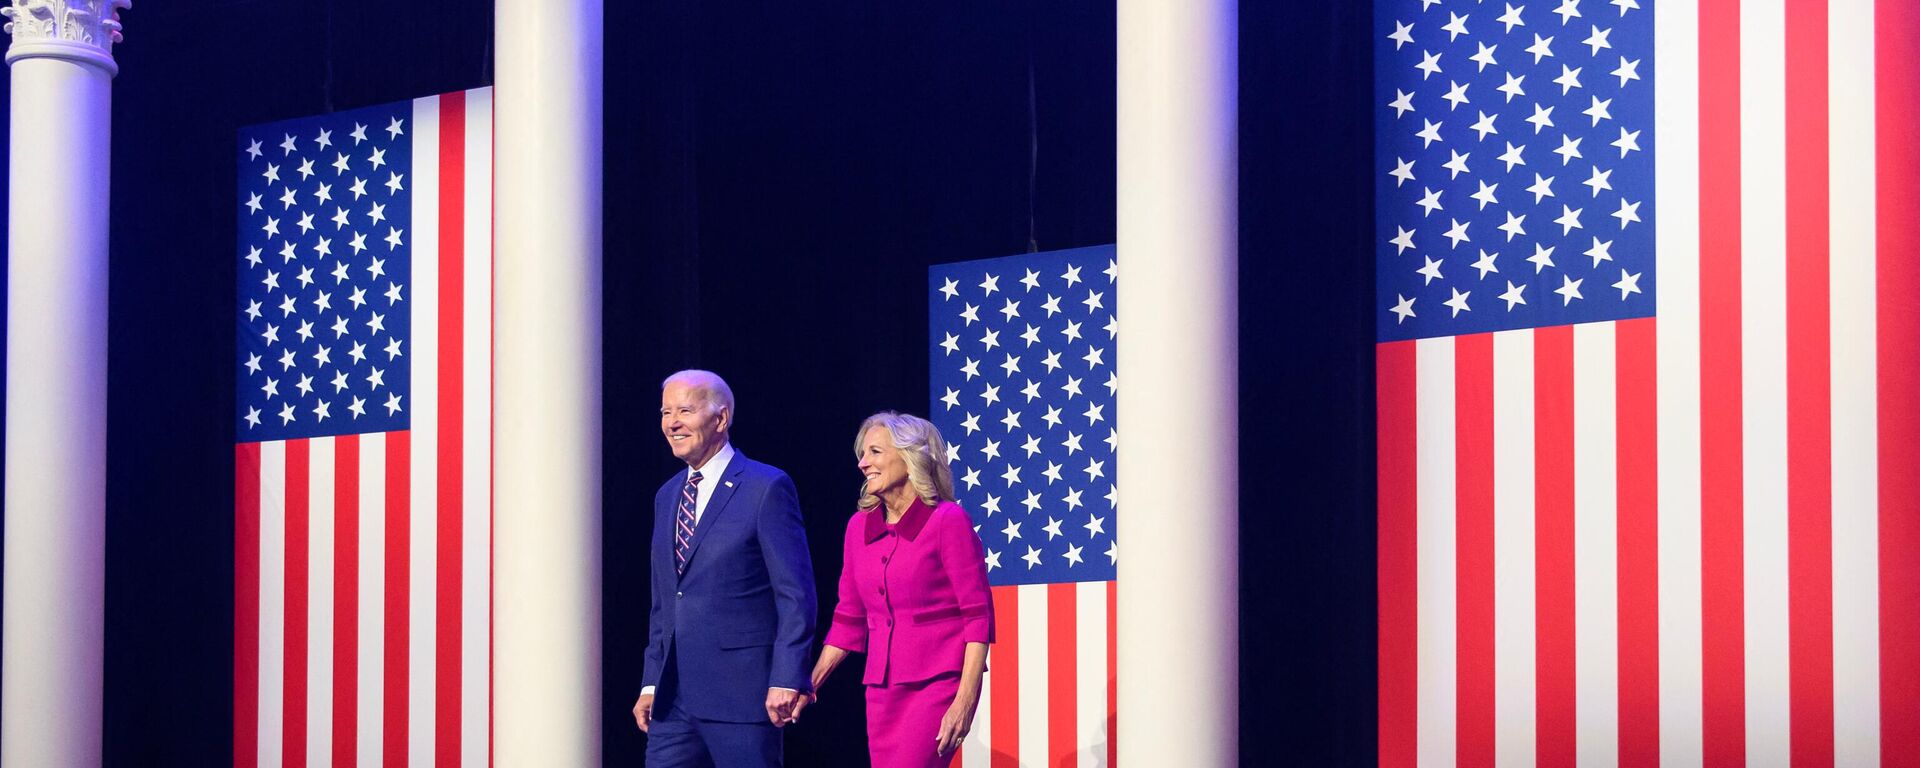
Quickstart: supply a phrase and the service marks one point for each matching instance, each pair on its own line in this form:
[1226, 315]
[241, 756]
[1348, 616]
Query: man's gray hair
[717, 394]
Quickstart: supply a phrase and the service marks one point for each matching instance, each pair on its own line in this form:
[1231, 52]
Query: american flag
[363, 437]
[1022, 361]
[1621, 526]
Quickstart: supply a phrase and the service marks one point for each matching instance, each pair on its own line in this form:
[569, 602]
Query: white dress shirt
[710, 475]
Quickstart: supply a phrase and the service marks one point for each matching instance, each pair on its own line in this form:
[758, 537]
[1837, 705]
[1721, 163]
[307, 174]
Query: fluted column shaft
[62, 72]
[546, 661]
[1177, 144]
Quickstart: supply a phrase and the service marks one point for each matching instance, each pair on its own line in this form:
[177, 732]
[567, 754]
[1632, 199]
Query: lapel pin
[729, 483]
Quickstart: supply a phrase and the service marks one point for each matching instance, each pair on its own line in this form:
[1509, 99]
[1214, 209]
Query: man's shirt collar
[716, 466]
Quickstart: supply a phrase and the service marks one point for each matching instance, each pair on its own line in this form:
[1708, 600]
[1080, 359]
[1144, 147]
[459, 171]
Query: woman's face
[881, 463]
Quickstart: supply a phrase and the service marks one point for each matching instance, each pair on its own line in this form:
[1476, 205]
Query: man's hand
[783, 706]
[643, 712]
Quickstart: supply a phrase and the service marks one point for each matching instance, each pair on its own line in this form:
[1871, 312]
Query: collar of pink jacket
[909, 525]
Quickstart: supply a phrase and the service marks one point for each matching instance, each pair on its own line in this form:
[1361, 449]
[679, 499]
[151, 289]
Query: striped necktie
[683, 523]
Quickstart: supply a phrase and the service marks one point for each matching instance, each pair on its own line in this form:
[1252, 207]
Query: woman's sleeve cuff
[852, 637]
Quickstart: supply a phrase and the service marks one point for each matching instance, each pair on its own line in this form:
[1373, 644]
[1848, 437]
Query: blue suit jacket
[741, 619]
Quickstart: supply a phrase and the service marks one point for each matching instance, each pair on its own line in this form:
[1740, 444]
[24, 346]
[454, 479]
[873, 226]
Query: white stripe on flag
[1677, 239]
[422, 574]
[1854, 372]
[1437, 621]
[373, 583]
[1033, 675]
[1763, 320]
[1596, 598]
[320, 602]
[476, 478]
[1090, 672]
[1514, 698]
[273, 599]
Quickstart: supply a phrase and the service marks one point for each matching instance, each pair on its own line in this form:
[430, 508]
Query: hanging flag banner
[363, 433]
[1646, 420]
[1021, 352]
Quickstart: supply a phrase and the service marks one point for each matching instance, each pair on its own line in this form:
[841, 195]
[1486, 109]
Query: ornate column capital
[77, 30]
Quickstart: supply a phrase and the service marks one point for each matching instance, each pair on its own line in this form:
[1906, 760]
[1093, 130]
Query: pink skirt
[903, 720]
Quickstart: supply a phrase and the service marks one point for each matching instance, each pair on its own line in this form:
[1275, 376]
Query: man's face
[695, 429]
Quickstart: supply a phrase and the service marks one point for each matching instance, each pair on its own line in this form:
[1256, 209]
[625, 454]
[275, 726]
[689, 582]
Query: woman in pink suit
[913, 597]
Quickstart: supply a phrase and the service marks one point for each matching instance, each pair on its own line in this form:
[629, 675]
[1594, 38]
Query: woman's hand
[957, 723]
[830, 658]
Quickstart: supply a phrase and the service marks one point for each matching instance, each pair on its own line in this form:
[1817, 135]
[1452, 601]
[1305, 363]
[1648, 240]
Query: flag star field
[1515, 159]
[1023, 386]
[324, 263]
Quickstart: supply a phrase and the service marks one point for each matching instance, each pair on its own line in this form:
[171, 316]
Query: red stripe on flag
[293, 749]
[1897, 112]
[1636, 418]
[394, 673]
[451, 422]
[1113, 666]
[346, 599]
[1722, 575]
[246, 605]
[1397, 454]
[1554, 545]
[1063, 623]
[1809, 399]
[1473, 526]
[1006, 678]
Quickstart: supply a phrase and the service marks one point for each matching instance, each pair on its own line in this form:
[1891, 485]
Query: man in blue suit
[733, 603]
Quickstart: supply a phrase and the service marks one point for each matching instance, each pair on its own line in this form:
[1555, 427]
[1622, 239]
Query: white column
[546, 622]
[1177, 148]
[62, 69]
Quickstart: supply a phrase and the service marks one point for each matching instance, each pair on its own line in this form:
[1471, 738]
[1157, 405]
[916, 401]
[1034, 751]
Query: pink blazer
[912, 594]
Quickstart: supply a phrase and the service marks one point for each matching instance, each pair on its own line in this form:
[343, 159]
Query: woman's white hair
[919, 444]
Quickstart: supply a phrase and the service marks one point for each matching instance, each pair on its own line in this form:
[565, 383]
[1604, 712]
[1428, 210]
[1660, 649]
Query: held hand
[822, 667]
[781, 709]
[643, 712]
[955, 726]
